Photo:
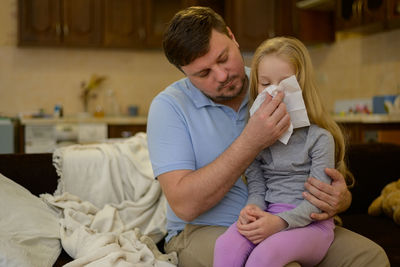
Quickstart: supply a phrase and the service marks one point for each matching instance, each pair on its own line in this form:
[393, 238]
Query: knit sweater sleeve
[256, 184]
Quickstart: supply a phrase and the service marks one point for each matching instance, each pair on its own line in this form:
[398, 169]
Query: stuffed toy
[388, 202]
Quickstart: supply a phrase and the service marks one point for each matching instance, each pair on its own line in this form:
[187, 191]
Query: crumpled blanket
[104, 237]
[112, 210]
[111, 173]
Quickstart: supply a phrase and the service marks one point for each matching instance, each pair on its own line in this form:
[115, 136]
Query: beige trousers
[195, 248]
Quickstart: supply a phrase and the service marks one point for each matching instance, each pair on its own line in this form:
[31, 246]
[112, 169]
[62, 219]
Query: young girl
[276, 177]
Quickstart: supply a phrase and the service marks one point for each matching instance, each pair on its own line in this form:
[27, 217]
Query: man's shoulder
[173, 93]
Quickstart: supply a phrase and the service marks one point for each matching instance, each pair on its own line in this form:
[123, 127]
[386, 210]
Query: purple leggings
[305, 245]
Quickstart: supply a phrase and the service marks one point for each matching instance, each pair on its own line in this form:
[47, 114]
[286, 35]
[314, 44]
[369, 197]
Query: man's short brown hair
[188, 34]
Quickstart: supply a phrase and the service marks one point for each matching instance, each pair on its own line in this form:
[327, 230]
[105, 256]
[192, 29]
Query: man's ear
[230, 34]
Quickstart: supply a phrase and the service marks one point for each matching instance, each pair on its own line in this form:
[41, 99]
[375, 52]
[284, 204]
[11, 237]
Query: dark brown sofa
[373, 165]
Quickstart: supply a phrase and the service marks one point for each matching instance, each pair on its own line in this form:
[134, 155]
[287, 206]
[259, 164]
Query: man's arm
[190, 193]
[330, 198]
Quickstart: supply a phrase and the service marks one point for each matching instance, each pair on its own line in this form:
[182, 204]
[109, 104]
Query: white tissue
[294, 104]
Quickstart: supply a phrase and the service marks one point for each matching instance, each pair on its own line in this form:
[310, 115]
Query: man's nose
[221, 73]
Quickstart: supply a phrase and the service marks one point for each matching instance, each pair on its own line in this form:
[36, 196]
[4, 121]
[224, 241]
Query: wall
[359, 67]
[33, 78]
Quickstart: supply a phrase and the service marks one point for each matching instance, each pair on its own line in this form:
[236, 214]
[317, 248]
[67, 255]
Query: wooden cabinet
[39, 22]
[81, 24]
[357, 132]
[124, 23]
[137, 23]
[393, 13]
[253, 21]
[141, 23]
[158, 14]
[364, 15]
[56, 22]
[103, 23]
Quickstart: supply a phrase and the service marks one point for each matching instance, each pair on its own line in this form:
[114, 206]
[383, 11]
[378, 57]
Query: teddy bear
[388, 202]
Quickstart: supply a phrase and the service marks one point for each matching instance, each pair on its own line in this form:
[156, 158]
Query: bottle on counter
[58, 111]
[111, 104]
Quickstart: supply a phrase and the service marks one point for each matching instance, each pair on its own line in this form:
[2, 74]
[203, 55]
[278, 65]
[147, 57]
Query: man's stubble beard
[231, 88]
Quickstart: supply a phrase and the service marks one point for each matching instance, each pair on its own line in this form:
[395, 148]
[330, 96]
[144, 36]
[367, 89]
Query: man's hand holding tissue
[267, 124]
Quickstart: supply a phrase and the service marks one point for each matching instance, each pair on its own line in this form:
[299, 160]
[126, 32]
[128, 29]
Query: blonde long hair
[293, 51]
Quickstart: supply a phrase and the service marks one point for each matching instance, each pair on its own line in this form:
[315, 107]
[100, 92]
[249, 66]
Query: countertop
[119, 120]
[368, 118]
[142, 120]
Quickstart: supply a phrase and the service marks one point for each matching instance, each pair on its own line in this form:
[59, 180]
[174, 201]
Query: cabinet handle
[66, 30]
[360, 5]
[58, 29]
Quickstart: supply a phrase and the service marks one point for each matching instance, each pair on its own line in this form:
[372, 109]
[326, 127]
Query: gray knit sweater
[279, 172]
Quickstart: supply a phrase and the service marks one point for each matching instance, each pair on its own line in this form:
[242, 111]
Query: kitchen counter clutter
[44, 135]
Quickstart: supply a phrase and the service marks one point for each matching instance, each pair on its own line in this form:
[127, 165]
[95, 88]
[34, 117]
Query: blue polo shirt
[186, 131]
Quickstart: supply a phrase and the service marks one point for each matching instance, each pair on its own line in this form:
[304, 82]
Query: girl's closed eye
[265, 84]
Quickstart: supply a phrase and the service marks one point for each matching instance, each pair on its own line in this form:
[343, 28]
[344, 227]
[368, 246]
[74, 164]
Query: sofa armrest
[35, 172]
[373, 165]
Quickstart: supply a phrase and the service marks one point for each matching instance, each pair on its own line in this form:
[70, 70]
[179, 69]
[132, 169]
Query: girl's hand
[246, 216]
[264, 226]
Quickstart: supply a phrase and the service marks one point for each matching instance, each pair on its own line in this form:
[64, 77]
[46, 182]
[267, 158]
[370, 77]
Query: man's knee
[352, 249]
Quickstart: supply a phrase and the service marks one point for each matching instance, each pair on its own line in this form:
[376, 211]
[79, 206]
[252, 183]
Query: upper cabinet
[56, 22]
[393, 13]
[367, 15]
[259, 21]
[362, 14]
[137, 23]
[253, 21]
[95, 23]
[124, 23]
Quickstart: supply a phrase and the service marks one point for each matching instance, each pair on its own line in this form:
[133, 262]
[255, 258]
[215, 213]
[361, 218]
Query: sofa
[373, 165]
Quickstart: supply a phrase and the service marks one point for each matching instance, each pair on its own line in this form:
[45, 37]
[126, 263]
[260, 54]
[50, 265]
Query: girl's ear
[230, 34]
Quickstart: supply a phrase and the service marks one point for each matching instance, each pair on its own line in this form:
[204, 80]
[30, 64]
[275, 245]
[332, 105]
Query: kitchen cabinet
[137, 23]
[393, 13]
[253, 21]
[124, 23]
[56, 22]
[362, 15]
[370, 128]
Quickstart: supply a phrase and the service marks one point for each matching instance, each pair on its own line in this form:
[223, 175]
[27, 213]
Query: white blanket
[104, 237]
[105, 192]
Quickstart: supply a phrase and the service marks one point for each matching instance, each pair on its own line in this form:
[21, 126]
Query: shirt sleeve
[256, 184]
[169, 142]
[322, 156]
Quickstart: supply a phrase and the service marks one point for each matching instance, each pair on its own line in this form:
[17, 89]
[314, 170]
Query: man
[200, 144]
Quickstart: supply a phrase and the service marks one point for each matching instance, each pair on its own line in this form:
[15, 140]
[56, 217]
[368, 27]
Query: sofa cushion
[35, 172]
[373, 166]
[29, 229]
